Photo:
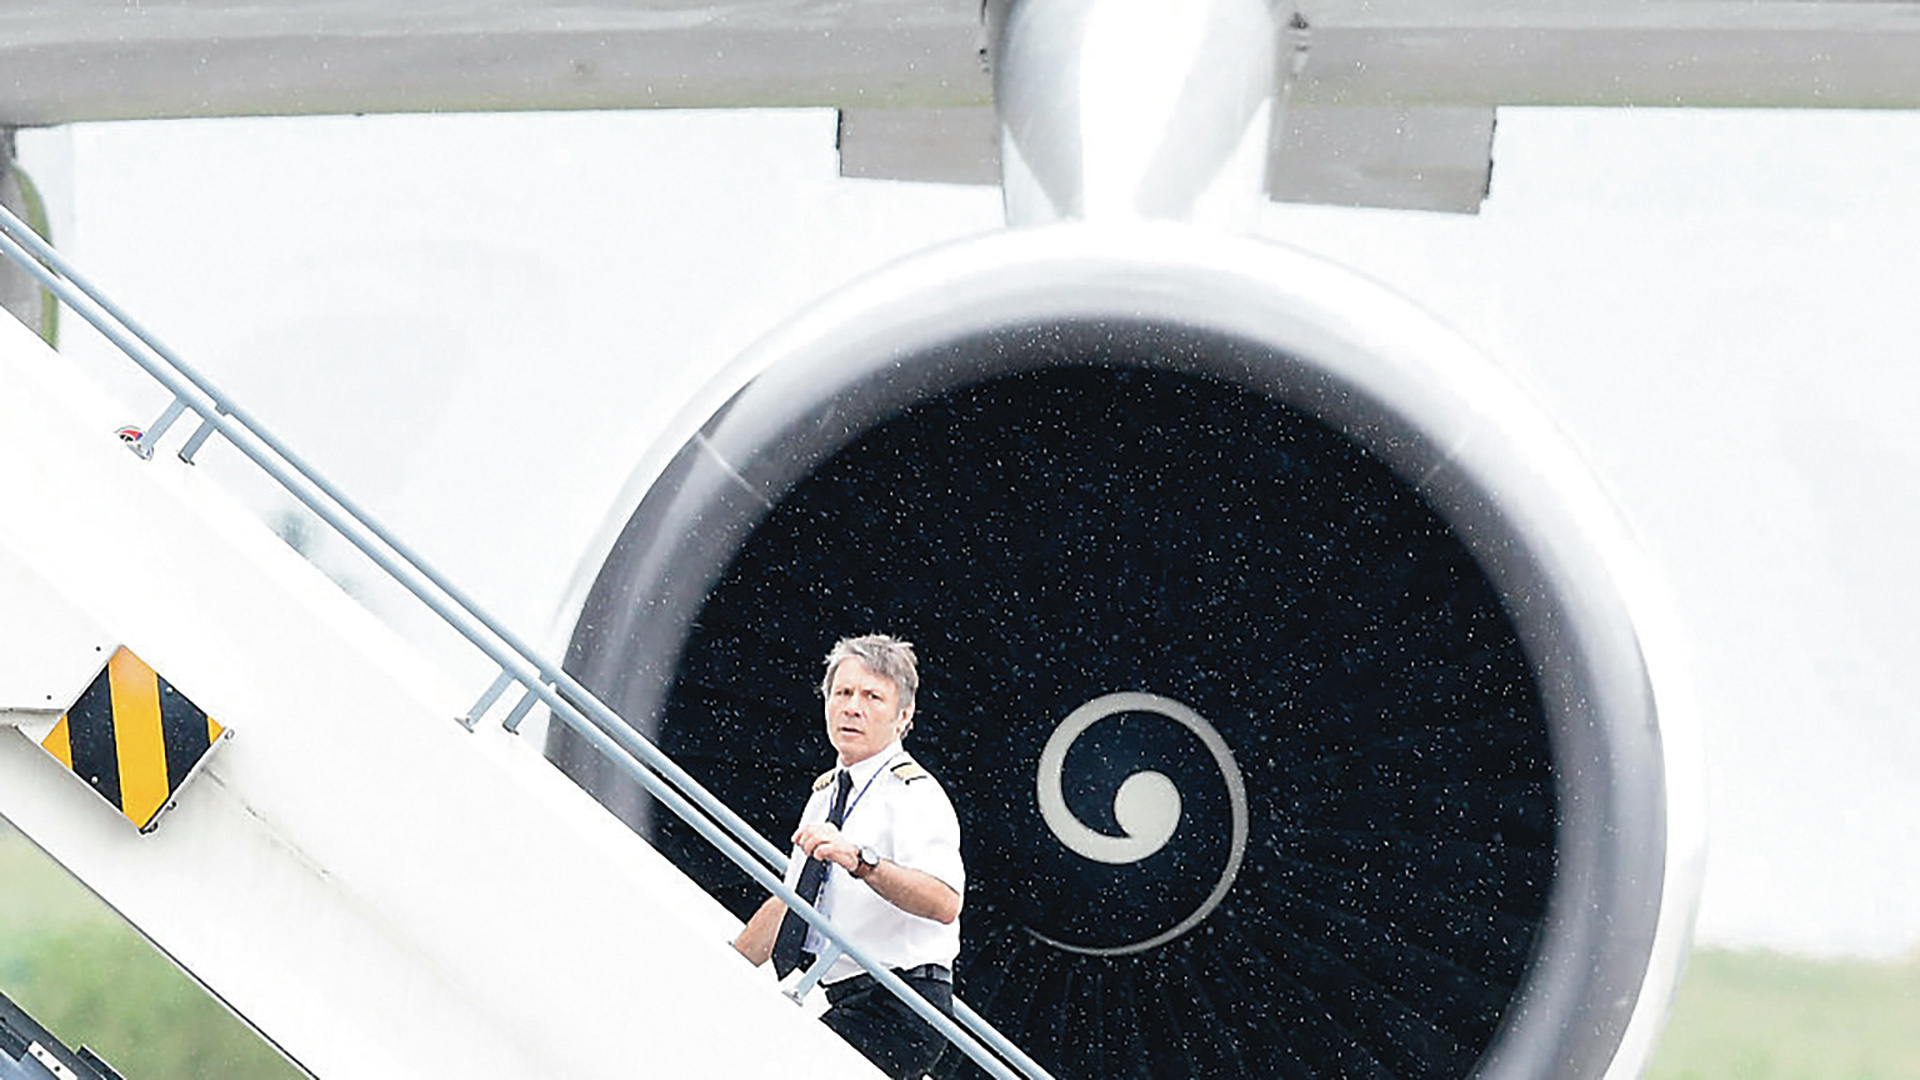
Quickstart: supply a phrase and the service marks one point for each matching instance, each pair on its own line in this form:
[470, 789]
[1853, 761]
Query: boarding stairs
[380, 873]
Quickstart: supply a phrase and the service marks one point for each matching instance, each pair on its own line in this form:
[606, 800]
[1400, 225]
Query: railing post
[492, 694]
[199, 436]
[150, 437]
[811, 977]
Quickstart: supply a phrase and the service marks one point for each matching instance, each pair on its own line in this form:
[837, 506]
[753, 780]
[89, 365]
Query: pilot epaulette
[909, 771]
[825, 779]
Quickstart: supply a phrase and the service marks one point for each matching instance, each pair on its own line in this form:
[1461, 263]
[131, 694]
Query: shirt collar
[865, 770]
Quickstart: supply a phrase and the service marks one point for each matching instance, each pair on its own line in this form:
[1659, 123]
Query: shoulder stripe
[909, 771]
[825, 779]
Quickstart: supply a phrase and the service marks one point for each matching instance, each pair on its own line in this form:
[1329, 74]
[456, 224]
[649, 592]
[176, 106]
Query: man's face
[863, 712]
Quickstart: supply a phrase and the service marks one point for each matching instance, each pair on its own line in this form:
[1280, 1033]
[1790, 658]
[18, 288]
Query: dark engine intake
[1273, 653]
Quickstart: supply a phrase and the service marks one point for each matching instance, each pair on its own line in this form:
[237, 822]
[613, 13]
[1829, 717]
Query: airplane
[1196, 507]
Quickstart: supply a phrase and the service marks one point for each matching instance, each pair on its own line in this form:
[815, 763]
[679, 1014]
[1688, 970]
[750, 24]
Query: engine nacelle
[1276, 656]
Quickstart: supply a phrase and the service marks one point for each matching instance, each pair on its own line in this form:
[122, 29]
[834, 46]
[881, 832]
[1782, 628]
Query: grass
[76, 967]
[1764, 1016]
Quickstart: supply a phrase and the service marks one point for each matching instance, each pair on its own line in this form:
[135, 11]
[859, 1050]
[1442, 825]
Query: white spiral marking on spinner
[1147, 805]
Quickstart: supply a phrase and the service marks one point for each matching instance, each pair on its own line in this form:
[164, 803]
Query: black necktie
[793, 929]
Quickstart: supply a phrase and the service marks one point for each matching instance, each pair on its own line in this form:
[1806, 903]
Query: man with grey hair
[879, 842]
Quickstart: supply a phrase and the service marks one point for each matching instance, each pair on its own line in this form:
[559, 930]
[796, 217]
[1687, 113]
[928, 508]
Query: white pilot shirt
[905, 817]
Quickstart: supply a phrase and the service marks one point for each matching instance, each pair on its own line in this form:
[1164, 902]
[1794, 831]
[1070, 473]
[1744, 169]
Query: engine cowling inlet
[1272, 656]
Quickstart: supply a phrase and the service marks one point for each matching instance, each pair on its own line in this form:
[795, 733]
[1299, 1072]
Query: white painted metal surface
[70, 60]
[383, 893]
[1394, 106]
[48, 649]
[1135, 110]
[104, 59]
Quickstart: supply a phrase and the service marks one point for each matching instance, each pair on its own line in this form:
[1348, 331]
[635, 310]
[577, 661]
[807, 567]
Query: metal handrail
[573, 704]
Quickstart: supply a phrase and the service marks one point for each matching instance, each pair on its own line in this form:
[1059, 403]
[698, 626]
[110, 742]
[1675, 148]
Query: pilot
[879, 840]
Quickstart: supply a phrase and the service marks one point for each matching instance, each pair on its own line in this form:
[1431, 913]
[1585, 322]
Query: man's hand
[824, 842]
[912, 891]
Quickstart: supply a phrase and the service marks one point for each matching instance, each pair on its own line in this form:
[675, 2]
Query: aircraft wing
[1393, 106]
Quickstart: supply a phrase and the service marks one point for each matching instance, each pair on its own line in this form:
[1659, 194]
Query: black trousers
[883, 1027]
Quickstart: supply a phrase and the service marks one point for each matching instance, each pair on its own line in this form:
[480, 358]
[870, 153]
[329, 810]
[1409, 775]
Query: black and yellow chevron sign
[133, 738]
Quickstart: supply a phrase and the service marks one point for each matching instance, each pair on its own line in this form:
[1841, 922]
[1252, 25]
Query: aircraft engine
[1276, 657]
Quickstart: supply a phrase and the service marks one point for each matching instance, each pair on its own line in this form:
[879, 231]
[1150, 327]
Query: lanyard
[862, 793]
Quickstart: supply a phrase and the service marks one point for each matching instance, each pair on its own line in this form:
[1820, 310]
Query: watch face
[869, 857]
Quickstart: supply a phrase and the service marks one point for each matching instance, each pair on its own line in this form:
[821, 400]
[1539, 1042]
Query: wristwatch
[869, 859]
